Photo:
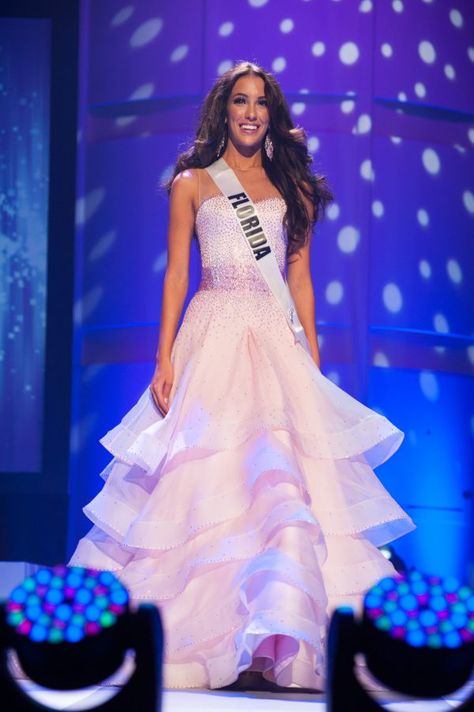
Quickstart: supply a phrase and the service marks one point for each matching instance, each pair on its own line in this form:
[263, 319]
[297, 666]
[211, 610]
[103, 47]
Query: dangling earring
[269, 147]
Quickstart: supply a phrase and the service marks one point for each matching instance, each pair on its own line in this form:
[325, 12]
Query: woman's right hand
[161, 383]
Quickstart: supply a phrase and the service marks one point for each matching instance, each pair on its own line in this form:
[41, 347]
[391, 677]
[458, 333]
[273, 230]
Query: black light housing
[417, 636]
[71, 628]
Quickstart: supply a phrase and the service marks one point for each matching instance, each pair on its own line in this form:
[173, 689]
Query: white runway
[219, 701]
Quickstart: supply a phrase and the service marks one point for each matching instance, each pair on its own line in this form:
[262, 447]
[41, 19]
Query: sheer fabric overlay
[252, 509]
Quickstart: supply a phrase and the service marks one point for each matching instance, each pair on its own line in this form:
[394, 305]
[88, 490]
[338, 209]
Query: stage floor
[219, 701]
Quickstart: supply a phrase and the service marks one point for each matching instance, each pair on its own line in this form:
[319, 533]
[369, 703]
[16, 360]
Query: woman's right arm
[176, 281]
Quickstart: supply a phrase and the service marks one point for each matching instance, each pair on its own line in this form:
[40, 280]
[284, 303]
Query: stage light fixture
[70, 628]
[417, 636]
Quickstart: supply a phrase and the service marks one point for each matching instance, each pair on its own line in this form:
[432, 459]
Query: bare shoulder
[185, 186]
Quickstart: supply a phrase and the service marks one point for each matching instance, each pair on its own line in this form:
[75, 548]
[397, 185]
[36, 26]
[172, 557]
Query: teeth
[247, 126]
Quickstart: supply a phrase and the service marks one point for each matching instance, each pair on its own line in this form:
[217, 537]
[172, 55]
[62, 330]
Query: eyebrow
[242, 93]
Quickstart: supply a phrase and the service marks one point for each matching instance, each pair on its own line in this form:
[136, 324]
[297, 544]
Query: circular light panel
[66, 604]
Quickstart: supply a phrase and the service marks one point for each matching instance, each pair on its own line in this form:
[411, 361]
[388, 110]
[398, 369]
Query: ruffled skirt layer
[251, 510]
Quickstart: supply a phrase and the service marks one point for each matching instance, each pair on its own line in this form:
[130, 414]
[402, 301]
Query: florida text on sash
[250, 224]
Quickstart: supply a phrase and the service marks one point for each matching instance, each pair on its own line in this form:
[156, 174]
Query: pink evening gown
[251, 510]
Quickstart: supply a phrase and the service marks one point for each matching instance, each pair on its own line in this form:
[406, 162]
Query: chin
[255, 144]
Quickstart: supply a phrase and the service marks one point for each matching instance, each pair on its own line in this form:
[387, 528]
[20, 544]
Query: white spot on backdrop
[364, 124]
[470, 53]
[450, 71]
[334, 292]
[103, 245]
[286, 25]
[347, 106]
[257, 3]
[179, 53]
[429, 385]
[279, 64]
[122, 16]
[88, 205]
[397, 5]
[145, 91]
[468, 200]
[456, 18]
[470, 135]
[226, 29]
[349, 53]
[123, 121]
[161, 261]
[365, 6]
[392, 297]
[146, 33]
[366, 169]
[377, 208]
[81, 431]
[470, 354]
[334, 377]
[427, 52]
[166, 173]
[224, 66]
[84, 307]
[396, 139]
[431, 162]
[420, 90]
[402, 96]
[386, 49]
[422, 217]
[454, 271]
[348, 238]
[425, 269]
[333, 211]
[440, 323]
[381, 360]
[298, 108]
[318, 49]
[313, 144]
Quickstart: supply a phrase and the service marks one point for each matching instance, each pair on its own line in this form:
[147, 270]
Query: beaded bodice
[227, 262]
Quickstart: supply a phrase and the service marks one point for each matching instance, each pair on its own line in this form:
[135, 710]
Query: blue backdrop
[384, 92]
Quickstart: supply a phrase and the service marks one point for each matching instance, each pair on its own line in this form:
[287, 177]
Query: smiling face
[248, 116]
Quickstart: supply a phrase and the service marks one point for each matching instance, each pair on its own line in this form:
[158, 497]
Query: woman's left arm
[301, 288]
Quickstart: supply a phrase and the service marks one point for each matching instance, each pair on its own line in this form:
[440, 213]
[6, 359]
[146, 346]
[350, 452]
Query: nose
[251, 112]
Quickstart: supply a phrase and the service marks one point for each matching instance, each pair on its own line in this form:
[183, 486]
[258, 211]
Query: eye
[263, 102]
[239, 100]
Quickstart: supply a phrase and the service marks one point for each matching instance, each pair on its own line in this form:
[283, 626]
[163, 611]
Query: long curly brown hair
[289, 169]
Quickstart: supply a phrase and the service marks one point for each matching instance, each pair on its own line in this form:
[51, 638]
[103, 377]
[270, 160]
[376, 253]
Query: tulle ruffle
[251, 510]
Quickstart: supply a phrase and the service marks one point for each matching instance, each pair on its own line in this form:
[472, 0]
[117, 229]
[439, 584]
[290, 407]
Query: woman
[241, 497]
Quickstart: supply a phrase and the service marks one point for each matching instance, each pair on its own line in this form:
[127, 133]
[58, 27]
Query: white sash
[252, 230]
